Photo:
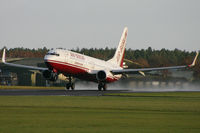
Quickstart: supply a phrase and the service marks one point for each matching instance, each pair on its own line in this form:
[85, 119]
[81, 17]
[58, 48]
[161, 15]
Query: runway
[58, 92]
[63, 92]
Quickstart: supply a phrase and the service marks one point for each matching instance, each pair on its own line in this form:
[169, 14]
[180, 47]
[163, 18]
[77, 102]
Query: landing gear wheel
[99, 87]
[70, 84]
[102, 86]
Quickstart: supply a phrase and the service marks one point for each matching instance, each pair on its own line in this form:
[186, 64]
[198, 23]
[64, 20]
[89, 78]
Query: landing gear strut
[70, 84]
[101, 86]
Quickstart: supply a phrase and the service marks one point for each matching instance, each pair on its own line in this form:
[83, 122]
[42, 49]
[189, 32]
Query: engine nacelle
[101, 75]
[50, 75]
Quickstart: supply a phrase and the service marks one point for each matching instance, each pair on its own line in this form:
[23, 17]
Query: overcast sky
[159, 24]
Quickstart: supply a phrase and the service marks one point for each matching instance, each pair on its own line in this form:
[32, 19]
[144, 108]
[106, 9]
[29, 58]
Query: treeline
[135, 58]
[145, 57]
[25, 52]
[148, 57]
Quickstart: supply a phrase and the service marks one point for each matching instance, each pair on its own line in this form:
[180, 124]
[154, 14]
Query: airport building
[8, 78]
[24, 77]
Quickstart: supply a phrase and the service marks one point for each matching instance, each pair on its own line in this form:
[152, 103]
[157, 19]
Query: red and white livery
[75, 65]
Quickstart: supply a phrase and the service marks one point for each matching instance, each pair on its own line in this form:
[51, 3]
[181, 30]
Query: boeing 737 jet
[75, 65]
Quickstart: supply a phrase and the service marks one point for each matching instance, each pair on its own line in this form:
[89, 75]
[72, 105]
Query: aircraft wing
[21, 66]
[142, 70]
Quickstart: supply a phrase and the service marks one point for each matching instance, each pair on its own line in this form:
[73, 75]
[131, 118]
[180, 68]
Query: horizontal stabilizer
[194, 61]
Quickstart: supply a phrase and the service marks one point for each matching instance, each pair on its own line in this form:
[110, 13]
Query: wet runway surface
[58, 92]
[63, 92]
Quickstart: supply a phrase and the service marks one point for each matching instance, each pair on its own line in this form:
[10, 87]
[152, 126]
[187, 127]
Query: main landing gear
[70, 84]
[101, 86]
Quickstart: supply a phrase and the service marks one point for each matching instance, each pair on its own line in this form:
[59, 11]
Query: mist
[143, 86]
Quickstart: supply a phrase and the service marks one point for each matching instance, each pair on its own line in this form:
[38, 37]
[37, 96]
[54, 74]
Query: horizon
[159, 24]
[98, 48]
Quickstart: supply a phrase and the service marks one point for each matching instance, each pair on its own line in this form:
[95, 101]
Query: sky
[70, 24]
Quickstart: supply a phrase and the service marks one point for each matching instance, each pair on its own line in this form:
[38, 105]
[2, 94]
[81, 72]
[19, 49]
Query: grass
[139, 112]
[28, 88]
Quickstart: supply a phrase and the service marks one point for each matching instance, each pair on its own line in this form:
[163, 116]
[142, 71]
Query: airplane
[76, 65]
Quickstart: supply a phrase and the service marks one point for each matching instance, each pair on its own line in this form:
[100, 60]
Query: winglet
[194, 61]
[4, 56]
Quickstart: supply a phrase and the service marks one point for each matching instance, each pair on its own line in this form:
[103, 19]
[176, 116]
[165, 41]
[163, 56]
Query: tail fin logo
[122, 47]
[118, 58]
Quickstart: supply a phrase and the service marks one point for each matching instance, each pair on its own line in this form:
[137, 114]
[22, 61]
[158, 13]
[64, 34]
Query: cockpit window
[53, 54]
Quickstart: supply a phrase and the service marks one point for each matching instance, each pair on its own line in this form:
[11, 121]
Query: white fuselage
[79, 65]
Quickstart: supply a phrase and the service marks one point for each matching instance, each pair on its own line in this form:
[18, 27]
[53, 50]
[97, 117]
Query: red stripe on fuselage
[67, 67]
[76, 71]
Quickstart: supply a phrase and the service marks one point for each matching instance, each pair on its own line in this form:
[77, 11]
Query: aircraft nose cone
[46, 57]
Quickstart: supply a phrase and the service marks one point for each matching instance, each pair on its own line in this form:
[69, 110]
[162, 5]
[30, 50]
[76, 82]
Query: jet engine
[50, 75]
[101, 75]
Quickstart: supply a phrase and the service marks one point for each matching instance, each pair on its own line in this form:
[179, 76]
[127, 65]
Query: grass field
[177, 112]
